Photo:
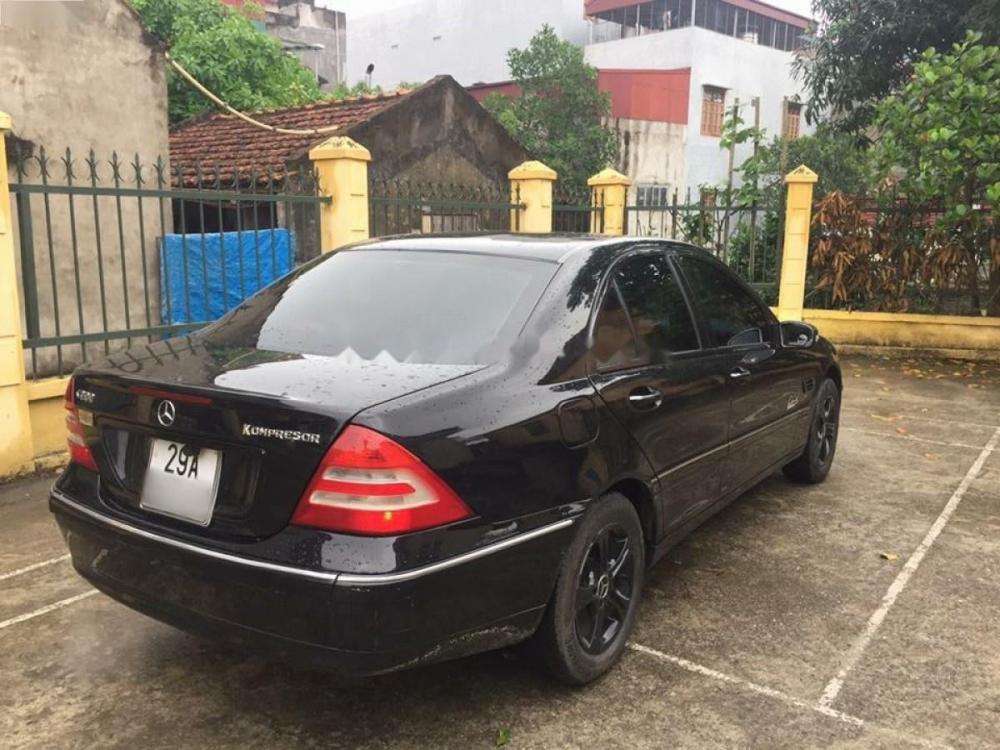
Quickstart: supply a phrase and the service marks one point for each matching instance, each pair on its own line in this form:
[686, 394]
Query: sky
[366, 7]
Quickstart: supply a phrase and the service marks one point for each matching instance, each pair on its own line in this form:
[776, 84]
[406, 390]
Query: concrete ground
[864, 612]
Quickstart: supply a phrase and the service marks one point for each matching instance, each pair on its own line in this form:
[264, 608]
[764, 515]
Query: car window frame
[607, 282]
[767, 337]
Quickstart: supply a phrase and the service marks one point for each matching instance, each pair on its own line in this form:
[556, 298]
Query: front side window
[643, 315]
[733, 316]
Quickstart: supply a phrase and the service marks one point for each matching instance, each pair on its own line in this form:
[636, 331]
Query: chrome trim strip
[693, 459]
[353, 579]
[348, 579]
[798, 414]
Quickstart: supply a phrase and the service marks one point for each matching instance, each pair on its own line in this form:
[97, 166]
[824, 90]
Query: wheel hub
[604, 594]
[603, 587]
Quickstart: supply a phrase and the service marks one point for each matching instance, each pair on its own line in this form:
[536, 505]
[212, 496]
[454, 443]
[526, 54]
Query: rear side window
[643, 315]
[732, 315]
[388, 305]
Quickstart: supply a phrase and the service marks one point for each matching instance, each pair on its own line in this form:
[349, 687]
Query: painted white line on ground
[46, 609]
[753, 687]
[912, 437]
[790, 700]
[29, 568]
[832, 689]
[904, 417]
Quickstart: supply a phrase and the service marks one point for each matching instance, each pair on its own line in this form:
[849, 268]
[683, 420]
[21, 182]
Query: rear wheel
[594, 605]
[817, 458]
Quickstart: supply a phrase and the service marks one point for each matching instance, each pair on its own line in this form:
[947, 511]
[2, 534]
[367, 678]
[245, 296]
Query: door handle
[739, 373]
[645, 398]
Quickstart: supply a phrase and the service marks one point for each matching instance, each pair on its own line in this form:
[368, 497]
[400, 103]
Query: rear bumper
[352, 624]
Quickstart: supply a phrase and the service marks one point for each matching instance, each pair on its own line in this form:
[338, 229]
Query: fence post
[531, 185]
[795, 249]
[16, 453]
[615, 186]
[342, 169]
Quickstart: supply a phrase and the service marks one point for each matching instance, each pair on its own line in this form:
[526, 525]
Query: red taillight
[368, 484]
[79, 452]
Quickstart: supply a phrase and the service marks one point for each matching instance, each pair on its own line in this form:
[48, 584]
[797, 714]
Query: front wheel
[817, 458]
[595, 602]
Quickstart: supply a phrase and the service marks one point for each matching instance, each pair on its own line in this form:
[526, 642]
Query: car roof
[553, 248]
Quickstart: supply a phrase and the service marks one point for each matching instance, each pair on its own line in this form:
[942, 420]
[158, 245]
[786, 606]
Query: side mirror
[796, 334]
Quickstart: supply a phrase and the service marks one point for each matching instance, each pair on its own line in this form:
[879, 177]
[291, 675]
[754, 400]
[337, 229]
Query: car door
[648, 366]
[768, 383]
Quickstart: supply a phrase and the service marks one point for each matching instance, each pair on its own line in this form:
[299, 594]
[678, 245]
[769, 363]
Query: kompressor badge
[253, 430]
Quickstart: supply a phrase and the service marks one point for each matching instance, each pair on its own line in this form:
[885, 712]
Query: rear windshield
[407, 306]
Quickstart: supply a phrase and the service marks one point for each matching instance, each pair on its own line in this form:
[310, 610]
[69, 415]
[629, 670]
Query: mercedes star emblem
[166, 412]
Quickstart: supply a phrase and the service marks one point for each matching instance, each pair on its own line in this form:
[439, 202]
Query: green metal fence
[578, 210]
[419, 207]
[746, 237]
[89, 232]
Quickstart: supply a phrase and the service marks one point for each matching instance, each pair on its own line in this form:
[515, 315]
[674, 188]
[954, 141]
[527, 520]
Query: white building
[466, 39]
[680, 65]
[315, 35]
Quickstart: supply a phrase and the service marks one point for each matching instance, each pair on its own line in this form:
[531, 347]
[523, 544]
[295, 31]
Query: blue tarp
[266, 255]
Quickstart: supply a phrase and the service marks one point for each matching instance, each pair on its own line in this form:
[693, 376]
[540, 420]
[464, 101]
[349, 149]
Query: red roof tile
[228, 143]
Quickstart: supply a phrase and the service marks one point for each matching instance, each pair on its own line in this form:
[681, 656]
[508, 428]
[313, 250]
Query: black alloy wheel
[817, 458]
[595, 603]
[825, 425]
[604, 594]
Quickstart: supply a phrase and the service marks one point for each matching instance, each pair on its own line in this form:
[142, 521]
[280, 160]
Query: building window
[713, 109]
[790, 120]
[652, 196]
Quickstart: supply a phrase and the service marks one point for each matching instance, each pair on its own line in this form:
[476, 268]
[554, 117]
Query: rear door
[649, 367]
[768, 384]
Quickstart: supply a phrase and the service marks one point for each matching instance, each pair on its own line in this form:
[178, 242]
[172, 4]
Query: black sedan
[419, 448]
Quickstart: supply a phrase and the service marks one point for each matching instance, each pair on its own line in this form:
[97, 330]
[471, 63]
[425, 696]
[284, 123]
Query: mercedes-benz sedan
[419, 448]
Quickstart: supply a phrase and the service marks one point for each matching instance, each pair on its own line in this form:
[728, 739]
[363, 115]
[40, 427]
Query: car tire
[600, 581]
[814, 464]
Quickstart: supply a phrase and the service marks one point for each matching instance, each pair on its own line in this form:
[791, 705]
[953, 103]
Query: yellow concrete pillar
[609, 188]
[795, 251]
[15, 422]
[531, 186]
[342, 167]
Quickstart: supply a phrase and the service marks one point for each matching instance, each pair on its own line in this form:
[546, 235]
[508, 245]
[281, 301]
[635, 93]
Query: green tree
[361, 88]
[222, 48]
[941, 133]
[843, 165]
[558, 115]
[863, 51]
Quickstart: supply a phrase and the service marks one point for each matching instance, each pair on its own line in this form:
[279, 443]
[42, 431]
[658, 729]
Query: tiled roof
[229, 143]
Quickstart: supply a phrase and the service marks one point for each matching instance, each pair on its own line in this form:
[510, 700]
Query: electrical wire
[245, 117]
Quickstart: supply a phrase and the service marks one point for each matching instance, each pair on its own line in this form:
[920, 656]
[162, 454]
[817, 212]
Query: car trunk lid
[271, 416]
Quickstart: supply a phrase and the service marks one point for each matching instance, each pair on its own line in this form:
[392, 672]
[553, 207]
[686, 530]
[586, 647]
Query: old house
[435, 134]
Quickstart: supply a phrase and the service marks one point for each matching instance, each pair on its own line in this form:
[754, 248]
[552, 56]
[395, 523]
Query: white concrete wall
[650, 152]
[746, 70]
[466, 39]
[304, 22]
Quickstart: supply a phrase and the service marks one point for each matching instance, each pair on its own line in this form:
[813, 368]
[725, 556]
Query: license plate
[181, 481]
